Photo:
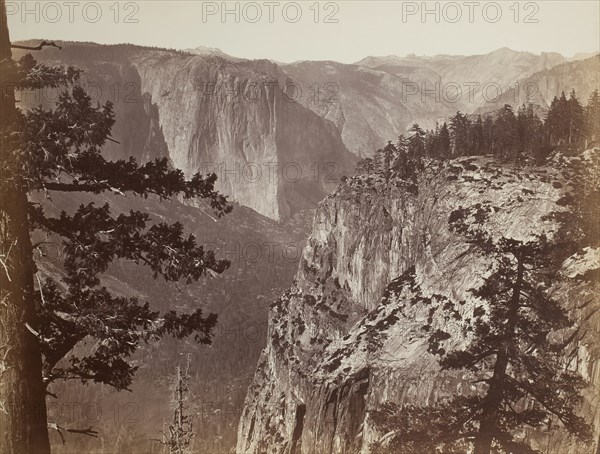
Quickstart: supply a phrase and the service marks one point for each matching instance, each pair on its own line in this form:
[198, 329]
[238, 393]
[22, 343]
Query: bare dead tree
[180, 433]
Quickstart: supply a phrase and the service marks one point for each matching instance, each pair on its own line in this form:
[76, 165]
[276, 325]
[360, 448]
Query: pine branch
[556, 411]
[74, 187]
[92, 173]
[90, 432]
[38, 47]
[162, 247]
[120, 324]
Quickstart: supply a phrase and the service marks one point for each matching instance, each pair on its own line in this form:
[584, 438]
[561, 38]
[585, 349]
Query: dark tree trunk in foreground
[23, 424]
[495, 394]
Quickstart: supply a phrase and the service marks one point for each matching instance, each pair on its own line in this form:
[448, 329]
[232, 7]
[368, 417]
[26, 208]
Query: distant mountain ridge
[378, 98]
[369, 106]
[200, 106]
[502, 67]
[540, 88]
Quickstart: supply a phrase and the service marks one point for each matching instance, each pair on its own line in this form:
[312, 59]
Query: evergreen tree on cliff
[592, 117]
[478, 143]
[444, 141]
[513, 348]
[557, 120]
[459, 134]
[59, 150]
[506, 134]
[512, 355]
[576, 118]
[416, 141]
[530, 131]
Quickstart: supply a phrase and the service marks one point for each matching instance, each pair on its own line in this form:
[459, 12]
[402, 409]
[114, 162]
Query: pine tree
[444, 141]
[416, 142]
[459, 133]
[511, 345]
[400, 163]
[477, 140]
[432, 142]
[529, 131]
[564, 121]
[552, 121]
[592, 117]
[59, 150]
[525, 382]
[505, 133]
[576, 121]
[488, 135]
[389, 154]
[365, 166]
[379, 158]
[557, 120]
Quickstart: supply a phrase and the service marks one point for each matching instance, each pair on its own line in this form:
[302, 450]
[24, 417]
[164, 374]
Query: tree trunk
[493, 400]
[495, 394]
[23, 419]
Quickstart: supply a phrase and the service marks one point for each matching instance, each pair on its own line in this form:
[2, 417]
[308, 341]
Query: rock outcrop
[379, 267]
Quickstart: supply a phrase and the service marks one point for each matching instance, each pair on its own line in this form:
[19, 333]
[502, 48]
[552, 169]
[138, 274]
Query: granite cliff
[378, 267]
[208, 113]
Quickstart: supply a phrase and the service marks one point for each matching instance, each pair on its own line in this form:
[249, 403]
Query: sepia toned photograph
[299, 227]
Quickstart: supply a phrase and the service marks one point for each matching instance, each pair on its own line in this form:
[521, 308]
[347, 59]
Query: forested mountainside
[378, 98]
[385, 283]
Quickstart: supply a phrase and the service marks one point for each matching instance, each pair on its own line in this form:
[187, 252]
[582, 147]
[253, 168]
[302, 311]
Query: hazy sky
[344, 31]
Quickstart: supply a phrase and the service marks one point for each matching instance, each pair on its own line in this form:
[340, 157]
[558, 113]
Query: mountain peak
[207, 50]
[214, 51]
[505, 51]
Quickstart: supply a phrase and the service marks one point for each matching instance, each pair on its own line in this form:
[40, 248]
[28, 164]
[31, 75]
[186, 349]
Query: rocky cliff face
[369, 106]
[212, 114]
[236, 119]
[379, 265]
